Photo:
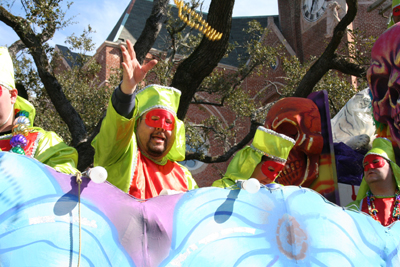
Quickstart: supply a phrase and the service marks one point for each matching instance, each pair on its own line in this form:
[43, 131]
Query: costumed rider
[264, 159]
[141, 139]
[379, 194]
[17, 133]
[395, 15]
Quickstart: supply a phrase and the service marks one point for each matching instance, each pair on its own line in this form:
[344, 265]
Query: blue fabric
[349, 164]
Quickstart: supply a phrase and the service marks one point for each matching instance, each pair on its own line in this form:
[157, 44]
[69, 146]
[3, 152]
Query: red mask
[272, 168]
[373, 162]
[1, 90]
[160, 118]
[396, 11]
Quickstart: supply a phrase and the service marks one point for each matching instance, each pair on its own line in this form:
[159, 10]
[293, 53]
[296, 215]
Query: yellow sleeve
[52, 151]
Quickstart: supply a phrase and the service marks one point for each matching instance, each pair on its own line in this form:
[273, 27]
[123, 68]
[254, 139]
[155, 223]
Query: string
[79, 181]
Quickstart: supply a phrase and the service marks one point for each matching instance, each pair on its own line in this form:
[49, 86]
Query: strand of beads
[396, 209]
[371, 206]
[20, 130]
[373, 211]
[202, 26]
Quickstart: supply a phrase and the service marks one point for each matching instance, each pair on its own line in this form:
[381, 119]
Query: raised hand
[133, 72]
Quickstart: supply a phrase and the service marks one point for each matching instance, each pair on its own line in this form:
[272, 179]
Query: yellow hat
[276, 146]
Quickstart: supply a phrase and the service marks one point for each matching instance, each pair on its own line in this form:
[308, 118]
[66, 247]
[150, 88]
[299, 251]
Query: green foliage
[358, 50]
[26, 75]
[44, 16]
[80, 84]
[339, 86]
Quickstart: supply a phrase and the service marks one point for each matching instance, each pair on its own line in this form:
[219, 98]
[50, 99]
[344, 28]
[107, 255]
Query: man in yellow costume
[17, 133]
[264, 159]
[141, 138]
[379, 194]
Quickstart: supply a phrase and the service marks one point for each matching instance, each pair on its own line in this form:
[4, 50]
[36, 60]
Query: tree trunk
[151, 30]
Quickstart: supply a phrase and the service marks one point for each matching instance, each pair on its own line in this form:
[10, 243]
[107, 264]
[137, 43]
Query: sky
[102, 15]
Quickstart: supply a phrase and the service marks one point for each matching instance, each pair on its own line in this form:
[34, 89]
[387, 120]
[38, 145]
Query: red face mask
[272, 168]
[160, 118]
[396, 11]
[373, 162]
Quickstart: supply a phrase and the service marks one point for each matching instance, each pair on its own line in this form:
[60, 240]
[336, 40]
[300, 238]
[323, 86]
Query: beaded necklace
[373, 211]
[19, 132]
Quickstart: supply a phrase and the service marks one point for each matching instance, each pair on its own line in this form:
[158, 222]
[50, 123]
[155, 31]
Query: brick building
[301, 29]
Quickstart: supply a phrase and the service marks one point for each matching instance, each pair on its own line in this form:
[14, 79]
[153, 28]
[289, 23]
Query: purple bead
[18, 140]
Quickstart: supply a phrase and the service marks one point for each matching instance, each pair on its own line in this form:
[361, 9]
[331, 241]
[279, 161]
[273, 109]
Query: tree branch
[347, 67]
[52, 86]
[151, 30]
[192, 71]
[324, 63]
[16, 47]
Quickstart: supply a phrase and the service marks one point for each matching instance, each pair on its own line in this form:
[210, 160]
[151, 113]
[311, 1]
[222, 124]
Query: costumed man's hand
[133, 71]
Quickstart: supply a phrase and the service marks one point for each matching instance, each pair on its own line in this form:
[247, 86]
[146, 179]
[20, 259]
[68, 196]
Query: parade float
[52, 219]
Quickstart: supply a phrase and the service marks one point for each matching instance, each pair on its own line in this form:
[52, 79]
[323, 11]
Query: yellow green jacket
[117, 151]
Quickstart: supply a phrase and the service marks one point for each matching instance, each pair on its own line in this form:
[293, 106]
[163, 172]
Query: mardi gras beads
[210, 33]
[19, 131]
[396, 209]
[373, 210]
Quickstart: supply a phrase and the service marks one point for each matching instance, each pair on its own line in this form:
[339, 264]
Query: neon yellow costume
[128, 168]
[265, 143]
[382, 147]
[46, 147]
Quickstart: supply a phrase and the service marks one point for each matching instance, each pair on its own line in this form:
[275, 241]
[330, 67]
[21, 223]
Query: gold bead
[20, 129]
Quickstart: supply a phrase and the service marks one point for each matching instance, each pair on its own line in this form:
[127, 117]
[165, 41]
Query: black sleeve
[123, 104]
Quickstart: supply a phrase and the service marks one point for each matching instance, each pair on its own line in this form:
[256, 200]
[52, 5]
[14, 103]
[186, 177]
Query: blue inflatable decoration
[44, 221]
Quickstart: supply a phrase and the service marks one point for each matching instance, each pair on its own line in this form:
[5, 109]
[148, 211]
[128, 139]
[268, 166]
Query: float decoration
[283, 226]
